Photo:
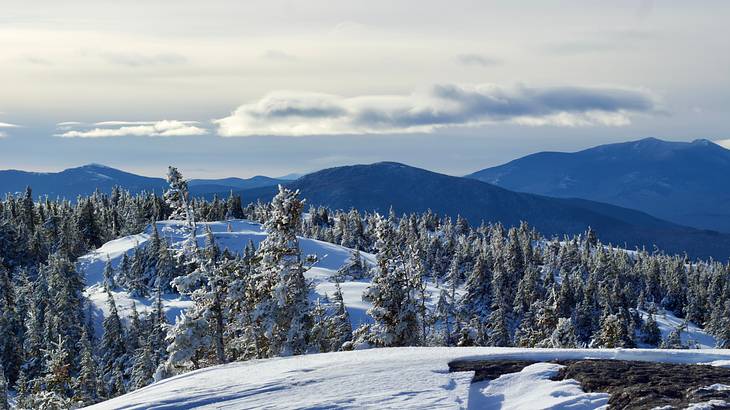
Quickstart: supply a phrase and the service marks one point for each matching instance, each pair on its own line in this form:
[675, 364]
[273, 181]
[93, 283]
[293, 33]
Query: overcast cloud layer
[484, 80]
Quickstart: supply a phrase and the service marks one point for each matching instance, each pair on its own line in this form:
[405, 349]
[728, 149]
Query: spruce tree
[86, 383]
[282, 268]
[340, 327]
[394, 311]
[650, 330]
[112, 348]
[4, 405]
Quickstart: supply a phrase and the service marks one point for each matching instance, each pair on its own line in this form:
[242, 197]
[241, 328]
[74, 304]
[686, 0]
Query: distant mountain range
[86, 179]
[613, 188]
[379, 186]
[684, 182]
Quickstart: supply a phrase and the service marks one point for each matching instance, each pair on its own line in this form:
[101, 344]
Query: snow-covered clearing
[232, 235]
[390, 378]
[692, 336]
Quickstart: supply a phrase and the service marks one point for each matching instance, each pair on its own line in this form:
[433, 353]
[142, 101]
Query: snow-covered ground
[234, 235]
[390, 378]
[231, 235]
[692, 336]
[380, 378]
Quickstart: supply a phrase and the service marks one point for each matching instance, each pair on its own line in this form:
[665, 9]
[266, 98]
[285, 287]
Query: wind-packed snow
[389, 378]
[531, 388]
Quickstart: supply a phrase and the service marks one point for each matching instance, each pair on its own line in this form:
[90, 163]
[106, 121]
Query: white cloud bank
[288, 113]
[108, 129]
[3, 134]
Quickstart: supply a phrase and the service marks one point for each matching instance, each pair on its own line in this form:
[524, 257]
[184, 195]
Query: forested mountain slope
[683, 182]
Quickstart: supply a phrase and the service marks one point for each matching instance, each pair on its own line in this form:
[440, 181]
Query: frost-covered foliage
[436, 282]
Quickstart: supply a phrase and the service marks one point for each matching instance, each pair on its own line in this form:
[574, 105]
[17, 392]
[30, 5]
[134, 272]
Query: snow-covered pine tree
[476, 302]
[143, 368]
[394, 309]
[165, 268]
[177, 197]
[58, 378]
[4, 405]
[281, 266]
[340, 326]
[319, 337]
[110, 282]
[201, 326]
[157, 331]
[563, 336]
[86, 383]
[10, 328]
[650, 331]
[112, 348]
[447, 311]
[136, 281]
[674, 338]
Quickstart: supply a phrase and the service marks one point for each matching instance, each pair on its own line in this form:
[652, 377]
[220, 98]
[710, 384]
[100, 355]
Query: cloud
[277, 55]
[141, 60]
[4, 134]
[299, 114]
[477, 60]
[107, 129]
[602, 41]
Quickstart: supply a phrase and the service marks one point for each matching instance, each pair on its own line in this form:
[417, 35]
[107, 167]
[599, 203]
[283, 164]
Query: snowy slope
[389, 378]
[233, 235]
[692, 336]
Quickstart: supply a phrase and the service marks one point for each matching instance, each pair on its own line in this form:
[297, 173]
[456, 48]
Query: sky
[242, 88]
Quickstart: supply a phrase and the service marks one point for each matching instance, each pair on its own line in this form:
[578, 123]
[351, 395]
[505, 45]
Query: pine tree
[136, 281]
[109, 281]
[674, 339]
[446, 312]
[394, 312]
[319, 337]
[564, 335]
[10, 327]
[86, 384]
[177, 197]
[143, 368]
[113, 349]
[207, 287]
[651, 334]
[4, 405]
[476, 301]
[286, 304]
[340, 327]
[58, 372]
[134, 334]
[165, 268]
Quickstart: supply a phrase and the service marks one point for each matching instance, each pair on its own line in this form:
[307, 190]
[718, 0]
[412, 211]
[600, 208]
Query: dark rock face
[488, 370]
[645, 385]
[631, 384]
